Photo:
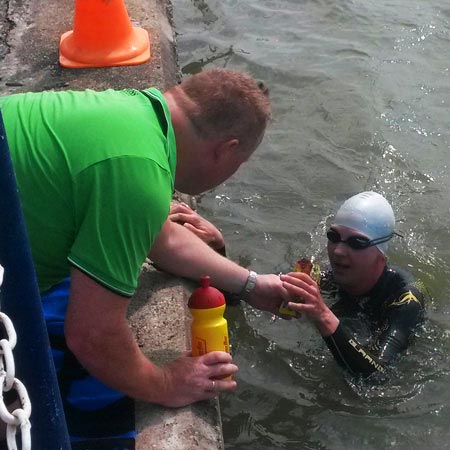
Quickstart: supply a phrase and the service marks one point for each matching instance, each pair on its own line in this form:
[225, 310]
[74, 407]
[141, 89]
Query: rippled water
[361, 99]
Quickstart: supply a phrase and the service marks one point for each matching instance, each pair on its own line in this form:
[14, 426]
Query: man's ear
[225, 150]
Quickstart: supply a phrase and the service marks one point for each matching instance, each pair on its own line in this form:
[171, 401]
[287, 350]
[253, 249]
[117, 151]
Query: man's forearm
[113, 356]
[98, 334]
[180, 252]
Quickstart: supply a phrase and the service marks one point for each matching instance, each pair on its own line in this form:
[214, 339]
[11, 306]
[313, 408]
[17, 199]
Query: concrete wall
[161, 322]
[29, 47]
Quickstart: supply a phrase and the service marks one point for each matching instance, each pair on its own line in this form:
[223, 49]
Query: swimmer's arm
[351, 355]
[402, 317]
[399, 324]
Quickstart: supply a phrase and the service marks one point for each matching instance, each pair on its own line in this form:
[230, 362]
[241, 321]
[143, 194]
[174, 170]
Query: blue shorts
[98, 417]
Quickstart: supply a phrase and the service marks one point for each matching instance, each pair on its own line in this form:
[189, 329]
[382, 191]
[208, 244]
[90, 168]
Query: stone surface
[29, 45]
[160, 320]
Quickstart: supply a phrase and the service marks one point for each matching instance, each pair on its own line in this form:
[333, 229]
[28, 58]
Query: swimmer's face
[355, 270]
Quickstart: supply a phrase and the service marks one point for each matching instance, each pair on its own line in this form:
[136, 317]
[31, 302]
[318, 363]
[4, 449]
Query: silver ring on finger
[213, 385]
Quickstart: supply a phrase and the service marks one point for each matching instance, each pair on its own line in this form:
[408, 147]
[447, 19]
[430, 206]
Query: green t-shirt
[95, 172]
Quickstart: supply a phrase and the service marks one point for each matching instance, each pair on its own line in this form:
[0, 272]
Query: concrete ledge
[161, 322]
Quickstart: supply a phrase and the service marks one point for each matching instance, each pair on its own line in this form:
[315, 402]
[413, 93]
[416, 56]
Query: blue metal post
[20, 300]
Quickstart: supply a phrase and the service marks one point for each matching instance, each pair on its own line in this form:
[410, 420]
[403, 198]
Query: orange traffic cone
[102, 36]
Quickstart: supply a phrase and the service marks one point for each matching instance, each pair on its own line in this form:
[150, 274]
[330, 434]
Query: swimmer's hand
[305, 298]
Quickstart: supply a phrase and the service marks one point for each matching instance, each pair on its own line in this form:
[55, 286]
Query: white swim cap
[369, 213]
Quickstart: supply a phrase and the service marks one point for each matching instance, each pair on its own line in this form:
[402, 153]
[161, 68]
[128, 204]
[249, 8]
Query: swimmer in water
[384, 301]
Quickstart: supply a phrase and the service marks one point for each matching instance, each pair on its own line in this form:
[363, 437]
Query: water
[360, 93]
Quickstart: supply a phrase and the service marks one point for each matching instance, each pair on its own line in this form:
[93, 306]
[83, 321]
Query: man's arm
[98, 334]
[179, 251]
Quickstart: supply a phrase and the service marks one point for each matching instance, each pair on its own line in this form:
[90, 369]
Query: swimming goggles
[358, 242]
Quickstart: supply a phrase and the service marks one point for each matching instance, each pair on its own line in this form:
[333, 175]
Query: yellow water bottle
[209, 329]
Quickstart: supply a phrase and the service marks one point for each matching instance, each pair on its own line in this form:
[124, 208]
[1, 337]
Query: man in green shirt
[96, 172]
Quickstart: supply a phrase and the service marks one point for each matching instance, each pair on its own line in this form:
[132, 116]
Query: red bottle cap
[206, 296]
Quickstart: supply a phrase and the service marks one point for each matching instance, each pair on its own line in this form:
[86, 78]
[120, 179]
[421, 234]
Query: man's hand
[206, 231]
[268, 294]
[190, 379]
[305, 297]
[98, 334]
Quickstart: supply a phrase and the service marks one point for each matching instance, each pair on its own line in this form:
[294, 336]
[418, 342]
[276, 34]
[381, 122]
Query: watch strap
[249, 285]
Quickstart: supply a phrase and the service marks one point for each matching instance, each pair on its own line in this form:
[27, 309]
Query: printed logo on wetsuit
[405, 298]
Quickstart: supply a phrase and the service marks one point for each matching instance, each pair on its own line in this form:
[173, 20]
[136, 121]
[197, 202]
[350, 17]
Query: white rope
[20, 417]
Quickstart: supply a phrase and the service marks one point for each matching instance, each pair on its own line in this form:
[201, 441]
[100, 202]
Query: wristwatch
[249, 285]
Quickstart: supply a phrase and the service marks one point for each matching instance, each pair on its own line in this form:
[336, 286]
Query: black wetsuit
[376, 327]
